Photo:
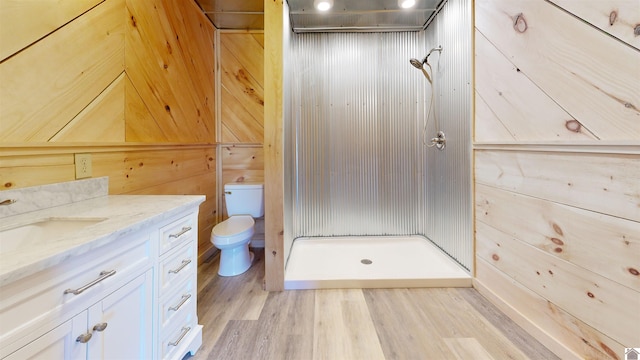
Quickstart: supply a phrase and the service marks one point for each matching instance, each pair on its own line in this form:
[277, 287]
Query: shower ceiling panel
[234, 14]
[361, 16]
[345, 16]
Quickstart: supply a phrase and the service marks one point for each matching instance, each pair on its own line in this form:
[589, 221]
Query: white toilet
[244, 201]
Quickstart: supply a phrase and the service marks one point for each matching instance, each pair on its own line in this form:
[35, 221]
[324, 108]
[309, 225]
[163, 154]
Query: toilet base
[235, 261]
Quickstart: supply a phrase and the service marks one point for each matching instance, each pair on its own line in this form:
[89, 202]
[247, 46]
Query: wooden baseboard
[539, 334]
[207, 254]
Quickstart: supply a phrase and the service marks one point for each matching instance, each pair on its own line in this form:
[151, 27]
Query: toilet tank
[245, 198]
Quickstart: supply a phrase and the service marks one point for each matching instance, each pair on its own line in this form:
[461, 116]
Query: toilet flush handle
[228, 192]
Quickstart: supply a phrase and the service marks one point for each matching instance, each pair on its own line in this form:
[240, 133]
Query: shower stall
[368, 201]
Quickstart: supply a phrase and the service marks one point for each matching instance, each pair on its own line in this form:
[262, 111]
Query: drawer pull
[185, 297]
[184, 263]
[103, 275]
[100, 327]
[177, 235]
[185, 331]
[84, 338]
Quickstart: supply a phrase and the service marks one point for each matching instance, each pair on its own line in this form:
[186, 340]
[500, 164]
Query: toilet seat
[234, 229]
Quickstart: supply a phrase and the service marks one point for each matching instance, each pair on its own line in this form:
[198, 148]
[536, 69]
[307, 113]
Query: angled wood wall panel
[242, 79]
[620, 18]
[50, 82]
[141, 125]
[248, 49]
[167, 73]
[70, 92]
[528, 113]
[24, 22]
[101, 121]
[238, 125]
[491, 128]
[593, 77]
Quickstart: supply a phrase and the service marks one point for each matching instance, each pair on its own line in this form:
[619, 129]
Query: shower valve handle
[440, 141]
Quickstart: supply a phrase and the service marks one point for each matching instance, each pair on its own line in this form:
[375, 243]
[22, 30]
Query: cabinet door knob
[84, 338]
[100, 327]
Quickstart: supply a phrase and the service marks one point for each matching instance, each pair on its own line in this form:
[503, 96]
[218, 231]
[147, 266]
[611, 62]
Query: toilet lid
[234, 225]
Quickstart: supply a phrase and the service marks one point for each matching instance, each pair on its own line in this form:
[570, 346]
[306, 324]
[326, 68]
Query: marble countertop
[124, 214]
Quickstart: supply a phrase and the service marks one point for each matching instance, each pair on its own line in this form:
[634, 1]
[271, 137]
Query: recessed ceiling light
[324, 5]
[405, 4]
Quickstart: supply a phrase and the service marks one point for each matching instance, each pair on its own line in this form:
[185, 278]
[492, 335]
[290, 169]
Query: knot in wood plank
[613, 16]
[520, 24]
[573, 125]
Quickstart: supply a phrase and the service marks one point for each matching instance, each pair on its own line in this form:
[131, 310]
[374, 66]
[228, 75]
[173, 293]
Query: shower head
[420, 64]
[417, 63]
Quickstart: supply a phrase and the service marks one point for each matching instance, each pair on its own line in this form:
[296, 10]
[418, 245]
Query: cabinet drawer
[177, 232]
[51, 294]
[176, 304]
[180, 334]
[177, 266]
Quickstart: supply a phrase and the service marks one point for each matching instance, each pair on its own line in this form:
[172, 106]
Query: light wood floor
[241, 321]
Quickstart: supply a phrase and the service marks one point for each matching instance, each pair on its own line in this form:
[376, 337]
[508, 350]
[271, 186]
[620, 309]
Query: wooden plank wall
[47, 84]
[130, 82]
[241, 112]
[241, 87]
[177, 86]
[273, 144]
[557, 163]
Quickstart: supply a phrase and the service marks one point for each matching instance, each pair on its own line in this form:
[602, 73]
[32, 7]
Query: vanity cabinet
[118, 327]
[59, 343]
[121, 324]
[134, 298]
[90, 306]
[179, 331]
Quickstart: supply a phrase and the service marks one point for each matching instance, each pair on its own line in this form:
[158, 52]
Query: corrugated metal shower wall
[358, 110]
[355, 132]
[449, 223]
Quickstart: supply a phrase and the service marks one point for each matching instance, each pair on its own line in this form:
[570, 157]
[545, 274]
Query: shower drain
[366, 261]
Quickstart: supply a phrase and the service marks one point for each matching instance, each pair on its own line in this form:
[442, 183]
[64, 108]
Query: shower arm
[438, 49]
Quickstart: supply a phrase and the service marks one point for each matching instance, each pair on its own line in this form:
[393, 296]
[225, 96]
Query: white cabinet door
[59, 343]
[122, 322]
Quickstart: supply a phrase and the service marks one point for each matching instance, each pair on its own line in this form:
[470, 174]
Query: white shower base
[395, 262]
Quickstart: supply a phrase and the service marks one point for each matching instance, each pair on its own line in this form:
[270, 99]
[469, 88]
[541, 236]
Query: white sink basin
[41, 231]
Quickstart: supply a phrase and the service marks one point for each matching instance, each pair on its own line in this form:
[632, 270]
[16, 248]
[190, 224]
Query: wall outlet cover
[83, 166]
